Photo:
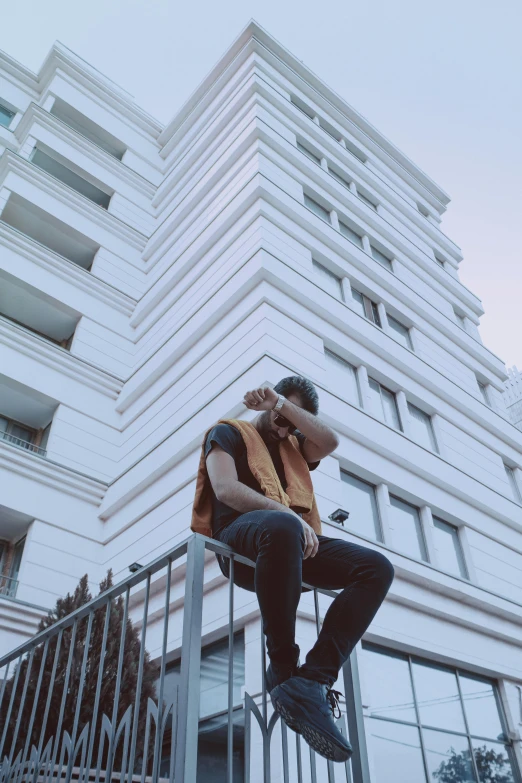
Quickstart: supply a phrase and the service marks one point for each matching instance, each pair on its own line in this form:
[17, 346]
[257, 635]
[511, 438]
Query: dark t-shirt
[231, 441]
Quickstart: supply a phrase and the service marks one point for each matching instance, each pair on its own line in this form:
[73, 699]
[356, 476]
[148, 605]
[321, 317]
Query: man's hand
[311, 541]
[262, 399]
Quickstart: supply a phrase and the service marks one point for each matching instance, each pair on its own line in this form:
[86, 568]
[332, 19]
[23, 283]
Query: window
[362, 504]
[422, 428]
[350, 234]
[213, 704]
[331, 282]
[86, 127]
[400, 332]
[16, 433]
[439, 260]
[317, 208]
[16, 562]
[367, 200]
[381, 258]
[6, 115]
[431, 723]
[63, 173]
[406, 530]
[450, 557]
[339, 177]
[309, 153]
[343, 377]
[384, 404]
[299, 104]
[366, 307]
[510, 473]
[484, 392]
[460, 319]
[330, 130]
[422, 209]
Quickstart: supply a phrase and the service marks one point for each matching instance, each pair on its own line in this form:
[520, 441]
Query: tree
[492, 767]
[129, 676]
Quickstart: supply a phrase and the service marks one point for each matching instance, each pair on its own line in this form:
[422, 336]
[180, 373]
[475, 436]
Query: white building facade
[150, 275]
[513, 396]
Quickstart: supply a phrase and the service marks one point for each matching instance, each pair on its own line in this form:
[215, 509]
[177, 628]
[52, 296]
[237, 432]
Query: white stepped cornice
[255, 39]
[18, 74]
[10, 161]
[35, 114]
[51, 474]
[45, 352]
[115, 98]
[67, 270]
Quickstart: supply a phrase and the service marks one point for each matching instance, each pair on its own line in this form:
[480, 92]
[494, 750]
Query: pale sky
[442, 81]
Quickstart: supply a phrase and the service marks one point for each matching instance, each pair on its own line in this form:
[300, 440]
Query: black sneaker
[277, 673]
[309, 707]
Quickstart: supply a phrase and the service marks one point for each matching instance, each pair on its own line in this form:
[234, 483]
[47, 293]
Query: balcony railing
[8, 586]
[76, 702]
[23, 444]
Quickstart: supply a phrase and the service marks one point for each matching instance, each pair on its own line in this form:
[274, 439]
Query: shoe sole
[321, 743]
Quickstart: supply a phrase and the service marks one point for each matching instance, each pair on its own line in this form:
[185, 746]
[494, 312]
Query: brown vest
[299, 494]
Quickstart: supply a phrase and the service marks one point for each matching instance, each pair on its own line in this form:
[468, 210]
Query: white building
[513, 396]
[149, 276]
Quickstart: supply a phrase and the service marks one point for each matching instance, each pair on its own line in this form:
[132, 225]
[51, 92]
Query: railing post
[188, 706]
[354, 711]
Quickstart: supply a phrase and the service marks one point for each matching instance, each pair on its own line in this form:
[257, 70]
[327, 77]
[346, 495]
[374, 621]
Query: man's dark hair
[303, 388]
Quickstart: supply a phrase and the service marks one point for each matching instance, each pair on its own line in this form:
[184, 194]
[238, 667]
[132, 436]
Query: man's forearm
[242, 498]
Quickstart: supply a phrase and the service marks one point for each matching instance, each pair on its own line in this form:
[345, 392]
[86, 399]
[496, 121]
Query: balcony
[30, 308]
[62, 169]
[48, 231]
[13, 529]
[82, 124]
[25, 416]
[195, 710]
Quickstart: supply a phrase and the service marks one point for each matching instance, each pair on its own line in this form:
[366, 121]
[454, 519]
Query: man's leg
[274, 540]
[364, 577]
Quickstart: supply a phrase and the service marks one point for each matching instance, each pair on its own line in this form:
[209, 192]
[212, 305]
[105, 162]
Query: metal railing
[8, 586]
[76, 701]
[23, 444]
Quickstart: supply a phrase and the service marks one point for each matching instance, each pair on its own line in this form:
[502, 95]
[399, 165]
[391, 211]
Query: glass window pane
[339, 178]
[375, 399]
[22, 433]
[331, 282]
[17, 559]
[317, 208]
[350, 234]
[513, 483]
[359, 301]
[493, 762]
[405, 529]
[448, 757]
[387, 686]
[422, 429]
[367, 200]
[438, 697]
[343, 377]
[449, 550]
[362, 504]
[6, 115]
[214, 676]
[391, 413]
[381, 258]
[399, 332]
[481, 707]
[395, 753]
[3, 424]
[70, 178]
[375, 314]
[308, 153]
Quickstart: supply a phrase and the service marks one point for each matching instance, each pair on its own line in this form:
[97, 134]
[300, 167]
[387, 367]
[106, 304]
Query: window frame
[377, 254]
[309, 200]
[438, 523]
[378, 524]
[394, 394]
[9, 112]
[334, 357]
[513, 483]
[424, 548]
[430, 429]
[350, 233]
[393, 331]
[308, 152]
[323, 272]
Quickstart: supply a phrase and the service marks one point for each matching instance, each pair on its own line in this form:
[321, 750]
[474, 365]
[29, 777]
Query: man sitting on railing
[254, 493]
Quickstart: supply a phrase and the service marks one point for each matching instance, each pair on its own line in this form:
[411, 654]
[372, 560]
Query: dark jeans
[274, 540]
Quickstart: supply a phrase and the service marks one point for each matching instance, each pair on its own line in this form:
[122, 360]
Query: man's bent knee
[278, 525]
[383, 568]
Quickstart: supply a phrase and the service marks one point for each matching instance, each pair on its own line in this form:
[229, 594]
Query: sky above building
[443, 82]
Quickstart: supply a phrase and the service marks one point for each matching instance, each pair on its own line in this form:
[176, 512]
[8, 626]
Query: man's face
[270, 431]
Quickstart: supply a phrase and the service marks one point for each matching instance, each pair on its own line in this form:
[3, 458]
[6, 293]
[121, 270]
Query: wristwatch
[280, 402]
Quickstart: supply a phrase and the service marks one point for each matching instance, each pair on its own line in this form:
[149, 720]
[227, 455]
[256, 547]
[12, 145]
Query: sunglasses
[282, 422]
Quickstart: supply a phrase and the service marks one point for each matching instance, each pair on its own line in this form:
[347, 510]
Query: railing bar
[21, 705]
[313, 768]
[11, 702]
[35, 700]
[139, 683]
[317, 614]
[157, 748]
[284, 741]
[4, 684]
[64, 694]
[299, 759]
[110, 758]
[96, 706]
[49, 693]
[263, 673]
[79, 698]
[230, 728]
